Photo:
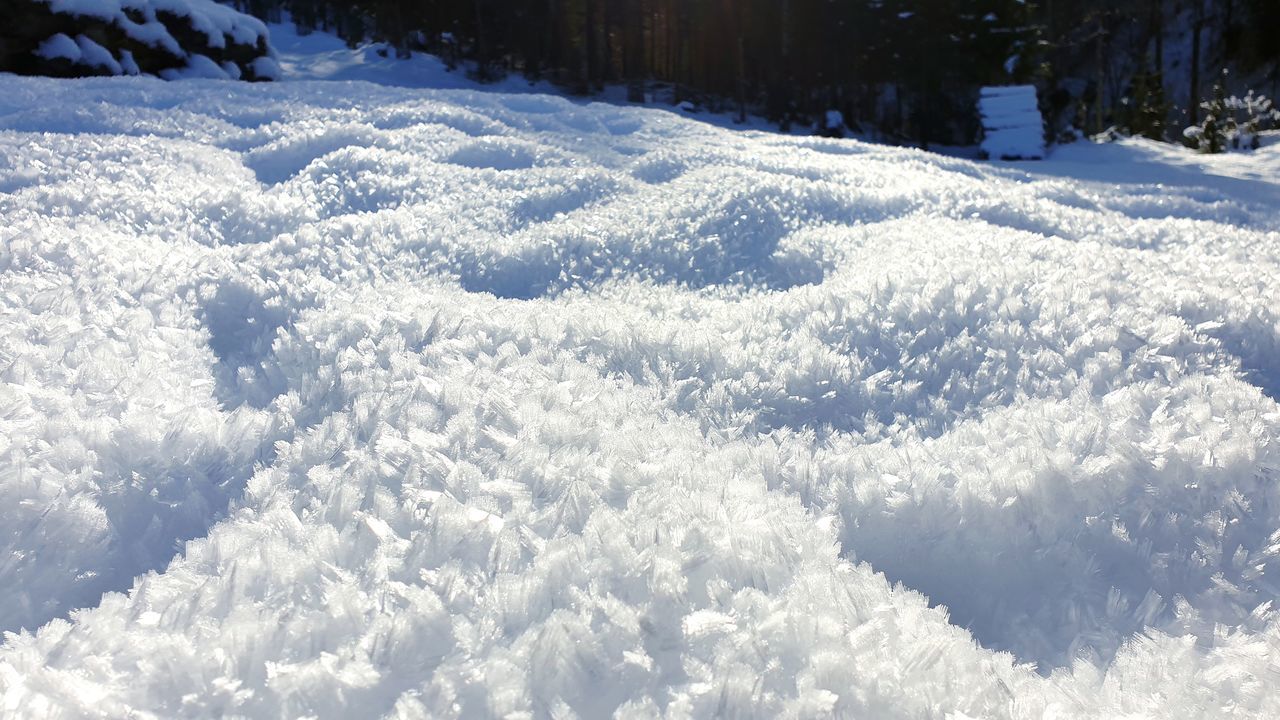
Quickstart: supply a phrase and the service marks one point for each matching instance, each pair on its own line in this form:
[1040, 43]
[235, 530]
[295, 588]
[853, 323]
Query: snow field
[371, 401]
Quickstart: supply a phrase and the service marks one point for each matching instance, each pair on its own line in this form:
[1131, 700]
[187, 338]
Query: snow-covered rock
[170, 38]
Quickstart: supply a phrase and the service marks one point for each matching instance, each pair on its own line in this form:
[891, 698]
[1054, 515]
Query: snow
[83, 50]
[91, 53]
[128, 65]
[360, 400]
[209, 17]
[214, 20]
[59, 46]
[266, 67]
[198, 66]
[321, 56]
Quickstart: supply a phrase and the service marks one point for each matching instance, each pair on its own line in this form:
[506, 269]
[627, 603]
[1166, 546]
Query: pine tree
[909, 67]
[1212, 135]
[1147, 107]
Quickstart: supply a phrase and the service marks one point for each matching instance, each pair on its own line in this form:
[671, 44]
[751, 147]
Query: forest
[904, 71]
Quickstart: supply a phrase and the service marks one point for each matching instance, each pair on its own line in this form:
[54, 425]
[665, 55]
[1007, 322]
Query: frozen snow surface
[362, 401]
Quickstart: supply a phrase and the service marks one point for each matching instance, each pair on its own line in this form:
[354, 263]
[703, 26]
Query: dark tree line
[1144, 66]
[906, 70]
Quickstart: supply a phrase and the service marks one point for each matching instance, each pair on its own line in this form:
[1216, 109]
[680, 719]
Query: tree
[1147, 108]
[1212, 135]
[909, 68]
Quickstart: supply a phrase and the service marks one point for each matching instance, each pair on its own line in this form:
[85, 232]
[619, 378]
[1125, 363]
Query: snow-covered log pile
[168, 38]
[1012, 127]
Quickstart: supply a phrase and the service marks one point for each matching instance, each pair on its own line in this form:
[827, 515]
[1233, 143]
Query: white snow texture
[362, 401]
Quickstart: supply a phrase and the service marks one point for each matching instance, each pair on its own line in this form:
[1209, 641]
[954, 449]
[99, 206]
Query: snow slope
[363, 401]
[319, 55]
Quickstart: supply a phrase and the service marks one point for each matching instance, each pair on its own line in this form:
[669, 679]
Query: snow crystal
[329, 399]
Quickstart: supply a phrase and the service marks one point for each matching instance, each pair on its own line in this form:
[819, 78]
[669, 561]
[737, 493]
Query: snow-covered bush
[169, 38]
[831, 124]
[1232, 121]
[1255, 113]
[1210, 136]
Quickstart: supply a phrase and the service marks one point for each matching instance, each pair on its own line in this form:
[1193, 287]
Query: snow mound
[168, 38]
[334, 400]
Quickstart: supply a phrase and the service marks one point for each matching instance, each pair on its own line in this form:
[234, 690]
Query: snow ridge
[362, 401]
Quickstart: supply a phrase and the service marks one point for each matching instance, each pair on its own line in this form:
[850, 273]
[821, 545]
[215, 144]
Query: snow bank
[173, 38]
[362, 401]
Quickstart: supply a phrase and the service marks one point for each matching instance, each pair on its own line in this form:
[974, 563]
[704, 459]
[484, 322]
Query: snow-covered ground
[362, 400]
[321, 56]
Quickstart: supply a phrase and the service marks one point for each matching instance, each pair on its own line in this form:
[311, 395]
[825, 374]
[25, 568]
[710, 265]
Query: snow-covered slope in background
[318, 55]
[321, 56]
[481, 404]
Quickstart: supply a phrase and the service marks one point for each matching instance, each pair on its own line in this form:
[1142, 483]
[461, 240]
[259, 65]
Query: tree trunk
[633, 50]
[1193, 107]
[1101, 61]
[552, 58]
[742, 79]
[784, 73]
[482, 50]
[591, 40]
[1157, 33]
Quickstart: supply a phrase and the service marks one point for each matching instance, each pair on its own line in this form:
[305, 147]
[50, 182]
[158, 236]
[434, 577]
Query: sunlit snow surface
[477, 404]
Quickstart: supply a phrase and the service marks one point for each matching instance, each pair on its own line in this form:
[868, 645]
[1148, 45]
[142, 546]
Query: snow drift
[360, 401]
[168, 38]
